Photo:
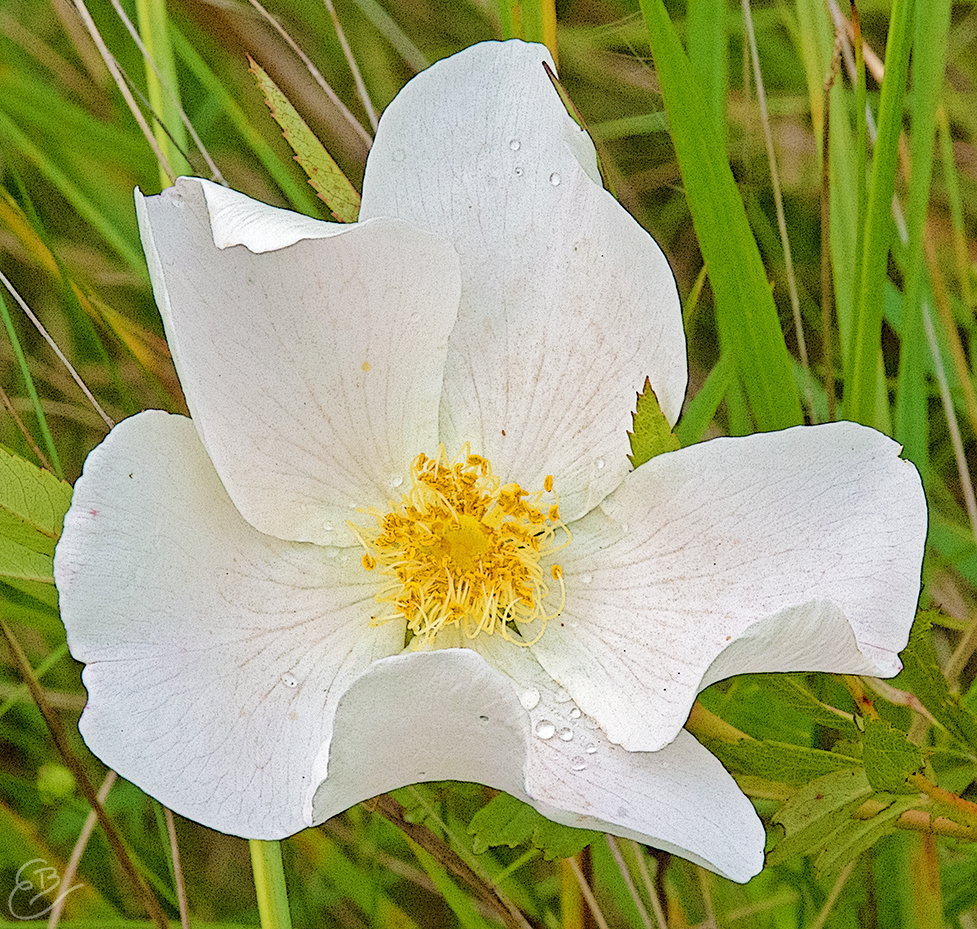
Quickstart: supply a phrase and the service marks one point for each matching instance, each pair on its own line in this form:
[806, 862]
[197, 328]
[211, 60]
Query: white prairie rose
[407, 460]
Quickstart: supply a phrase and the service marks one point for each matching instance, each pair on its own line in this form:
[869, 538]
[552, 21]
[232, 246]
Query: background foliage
[825, 298]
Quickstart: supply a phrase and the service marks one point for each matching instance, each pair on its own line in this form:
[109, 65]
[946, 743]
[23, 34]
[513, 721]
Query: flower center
[463, 549]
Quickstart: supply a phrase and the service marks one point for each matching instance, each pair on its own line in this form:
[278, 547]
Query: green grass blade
[707, 53]
[861, 394]
[388, 27]
[31, 389]
[507, 19]
[700, 410]
[911, 419]
[154, 31]
[539, 23]
[861, 149]
[73, 192]
[299, 195]
[745, 311]
[951, 179]
[460, 903]
[814, 38]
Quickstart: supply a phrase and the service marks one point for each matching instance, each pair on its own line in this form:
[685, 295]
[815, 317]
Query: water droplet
[566, 734]
[575, 713]
[396, 480]
[586, 578]
[591, 748]
[545, 729]
[515, 145]
[578, 763]
[517, 171]
[399, 155]
[329, 527]
[529, 699]
[555, 179]
[600, 464]
[562, 696]
[289, 680]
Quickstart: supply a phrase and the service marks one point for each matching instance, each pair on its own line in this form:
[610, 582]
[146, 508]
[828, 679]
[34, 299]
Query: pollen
[461, 550]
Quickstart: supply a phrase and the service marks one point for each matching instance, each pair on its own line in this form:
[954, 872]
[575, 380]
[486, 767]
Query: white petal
[236, 219]
[313, 373]
[680, 799]
[421, 716]
[215, 654]
[567, 304]
[765, 546]
[449, 715]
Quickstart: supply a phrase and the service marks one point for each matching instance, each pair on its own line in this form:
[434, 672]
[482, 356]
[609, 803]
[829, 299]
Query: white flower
[230, 580]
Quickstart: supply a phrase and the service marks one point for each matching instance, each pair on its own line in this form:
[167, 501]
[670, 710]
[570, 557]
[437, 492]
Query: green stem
[269, 884]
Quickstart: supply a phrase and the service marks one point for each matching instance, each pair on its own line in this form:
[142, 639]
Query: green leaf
[32, 504]
[779, 761]
[922, 676]
[790, 689]
[746, 316]
[652, 435]
[889, 757]
[32, 507]
[325, 176]
[818, 820]
[508, 821]
[813, 815]
[856, 834]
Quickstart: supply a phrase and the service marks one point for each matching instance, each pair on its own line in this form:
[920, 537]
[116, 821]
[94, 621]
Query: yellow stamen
[463, 549]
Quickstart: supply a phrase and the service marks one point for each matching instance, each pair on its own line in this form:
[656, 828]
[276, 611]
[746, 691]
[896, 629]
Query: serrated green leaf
[508, 821]
[790, 689]
[18, 563]
[32, 507]
[854, 835]
[779, 761]
[815, 813]
[325, 176]
[652, 435]
[922, 676]
[32, 503]
[889, 756]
